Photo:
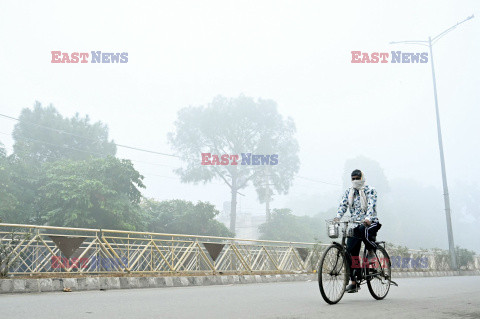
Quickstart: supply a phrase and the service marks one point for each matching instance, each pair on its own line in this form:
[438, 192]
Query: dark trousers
[367, 234]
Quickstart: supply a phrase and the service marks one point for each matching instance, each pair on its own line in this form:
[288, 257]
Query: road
[441, 297]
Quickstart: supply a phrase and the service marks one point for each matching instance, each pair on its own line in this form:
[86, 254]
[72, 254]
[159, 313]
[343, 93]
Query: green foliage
[465, 258]
[44, 135]
[8, 245]
[21, 187]
[18, 184]
[235, 126]
[285, 226]
[183, 217]
[63, 172]
[100, 193]
[8, 200]
[441, 258]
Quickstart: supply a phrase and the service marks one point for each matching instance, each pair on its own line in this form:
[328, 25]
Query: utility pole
[267, 194]
[446, 196]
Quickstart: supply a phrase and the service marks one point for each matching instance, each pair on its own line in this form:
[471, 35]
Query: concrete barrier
[21, 285]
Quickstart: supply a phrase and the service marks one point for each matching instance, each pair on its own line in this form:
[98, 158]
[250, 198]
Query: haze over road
[447, 297]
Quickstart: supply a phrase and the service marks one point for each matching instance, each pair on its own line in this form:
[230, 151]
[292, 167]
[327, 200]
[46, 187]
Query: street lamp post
[446, 196]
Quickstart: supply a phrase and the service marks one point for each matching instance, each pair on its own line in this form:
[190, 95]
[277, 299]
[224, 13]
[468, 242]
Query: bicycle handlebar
[344, 221]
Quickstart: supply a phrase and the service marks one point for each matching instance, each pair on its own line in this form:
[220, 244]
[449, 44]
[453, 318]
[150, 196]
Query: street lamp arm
[434, 39]
[413, 41]
[424, 43]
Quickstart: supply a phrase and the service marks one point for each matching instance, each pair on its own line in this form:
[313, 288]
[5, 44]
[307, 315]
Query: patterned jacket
[358, 213]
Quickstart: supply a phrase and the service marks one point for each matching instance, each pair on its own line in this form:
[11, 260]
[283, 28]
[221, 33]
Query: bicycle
[334, 273]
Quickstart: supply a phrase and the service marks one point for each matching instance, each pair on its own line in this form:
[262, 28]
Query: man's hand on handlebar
[366, 221]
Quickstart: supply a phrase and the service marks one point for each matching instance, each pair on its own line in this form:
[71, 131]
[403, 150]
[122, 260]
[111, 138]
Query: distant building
[247, 222]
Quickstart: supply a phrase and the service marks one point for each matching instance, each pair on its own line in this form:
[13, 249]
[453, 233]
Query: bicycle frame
[378, 279]
[363, 269]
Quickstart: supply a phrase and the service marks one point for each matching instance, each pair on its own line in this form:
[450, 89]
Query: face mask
[357, 184]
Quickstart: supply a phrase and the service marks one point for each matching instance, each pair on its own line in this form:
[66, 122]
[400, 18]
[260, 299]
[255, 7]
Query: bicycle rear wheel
[333, 274]
[379, 275]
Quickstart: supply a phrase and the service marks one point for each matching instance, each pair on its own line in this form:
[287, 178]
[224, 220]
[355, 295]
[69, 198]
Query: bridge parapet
[48, 249]
[58, 250]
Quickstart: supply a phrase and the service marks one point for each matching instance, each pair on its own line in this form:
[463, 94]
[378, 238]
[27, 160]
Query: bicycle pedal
[351, 291]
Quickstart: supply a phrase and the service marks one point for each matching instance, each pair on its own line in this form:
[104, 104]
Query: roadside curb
[20, 285]
[412, 274]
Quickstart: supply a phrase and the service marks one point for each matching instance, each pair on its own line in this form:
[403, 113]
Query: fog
[297, 53]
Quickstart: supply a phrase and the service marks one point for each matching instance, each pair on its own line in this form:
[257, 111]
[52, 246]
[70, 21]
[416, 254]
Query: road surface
[441, 297]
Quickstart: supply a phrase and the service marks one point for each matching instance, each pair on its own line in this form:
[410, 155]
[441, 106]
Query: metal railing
[51, 250]
[48, 249]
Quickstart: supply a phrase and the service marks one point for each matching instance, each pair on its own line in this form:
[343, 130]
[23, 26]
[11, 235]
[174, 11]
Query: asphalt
[440, 297]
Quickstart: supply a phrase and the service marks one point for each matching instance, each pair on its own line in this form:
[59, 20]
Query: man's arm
[372, 203]
[342, 208]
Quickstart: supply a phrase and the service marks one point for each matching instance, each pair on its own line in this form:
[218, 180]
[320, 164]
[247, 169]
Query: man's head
[358, 179]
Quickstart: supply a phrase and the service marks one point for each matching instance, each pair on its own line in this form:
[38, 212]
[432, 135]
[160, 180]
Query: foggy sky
[296, 53]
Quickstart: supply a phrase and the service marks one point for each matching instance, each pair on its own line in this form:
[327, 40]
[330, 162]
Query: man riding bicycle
[361, 200]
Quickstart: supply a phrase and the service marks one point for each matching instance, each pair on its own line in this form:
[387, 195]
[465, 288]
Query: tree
[44, 135]
[9, 246]
[8, 200]
[19, 190]
[234, 126]
[18, 184]
[100, 193]
[287, 227]
[183, 217]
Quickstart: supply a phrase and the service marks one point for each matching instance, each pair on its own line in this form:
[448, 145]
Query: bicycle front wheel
[333, 274]
[379, 275]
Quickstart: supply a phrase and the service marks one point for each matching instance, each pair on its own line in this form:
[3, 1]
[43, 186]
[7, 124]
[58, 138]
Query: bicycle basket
[332, 229]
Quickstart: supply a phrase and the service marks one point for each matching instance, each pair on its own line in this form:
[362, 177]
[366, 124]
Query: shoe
[352, 288]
